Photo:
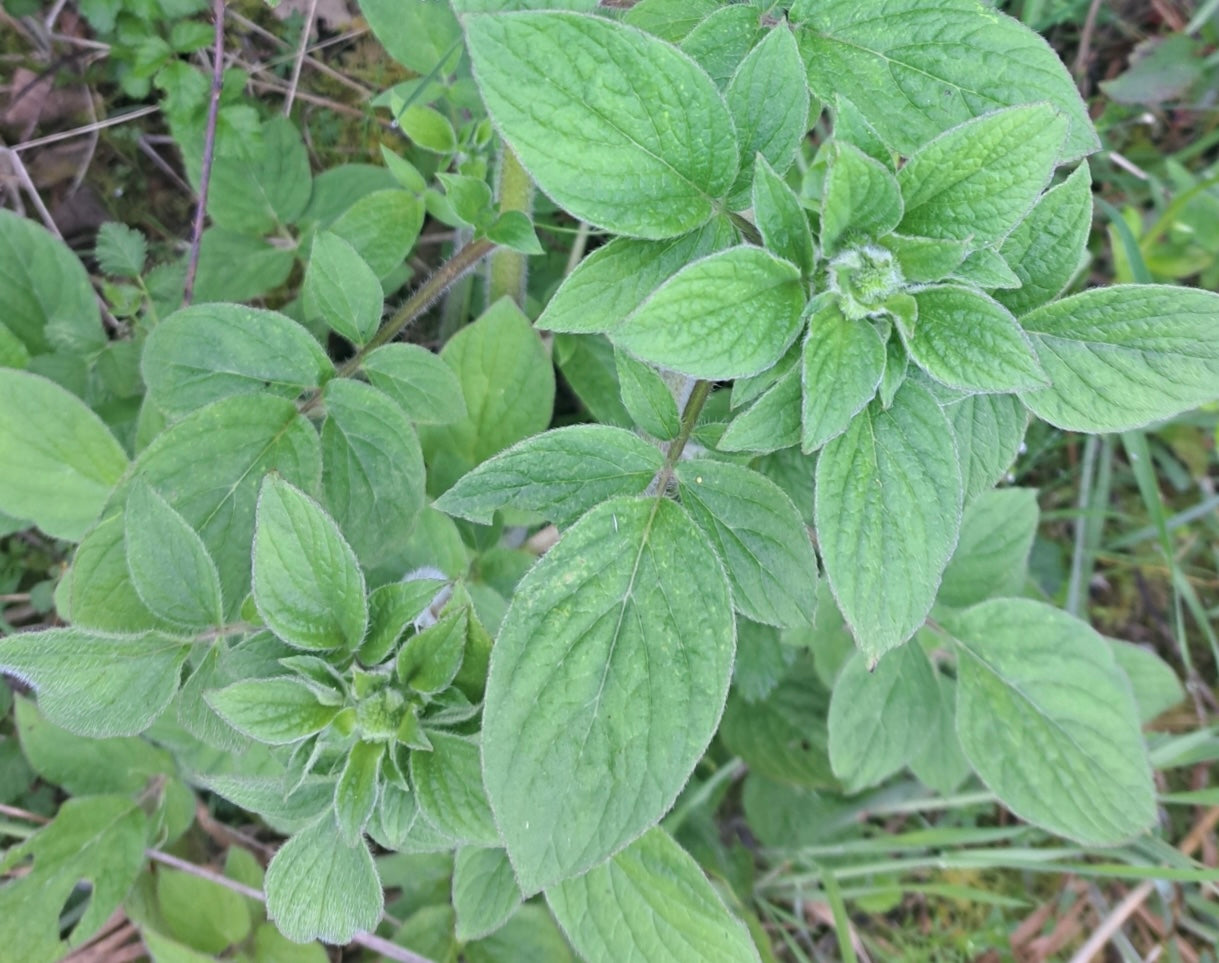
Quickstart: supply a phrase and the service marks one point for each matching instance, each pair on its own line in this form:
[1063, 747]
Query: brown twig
[209, 151]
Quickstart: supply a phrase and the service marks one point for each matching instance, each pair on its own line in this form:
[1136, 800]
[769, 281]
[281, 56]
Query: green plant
[261, 554]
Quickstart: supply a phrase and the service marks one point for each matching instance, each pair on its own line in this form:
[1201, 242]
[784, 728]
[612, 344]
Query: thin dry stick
[299, 60]
[24, 179]
[1085, 45]
[1123, 910]
[209, 150]
[86, 129]
[368, 940]
[312, 61]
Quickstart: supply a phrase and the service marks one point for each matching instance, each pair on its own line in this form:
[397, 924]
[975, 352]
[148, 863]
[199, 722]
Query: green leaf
[235, 267]
[211, 351]
[560, 474]
[727, 315]
[1047, 247]
[508, 385]
[761, 660]
[85, 681]
[266, 797]
[771, 423]
[424, 386]
[255, 198]
[58, 460]
[419, 34]
[587, 364]
[1048, 721]
[48, 301]
[196, 716]
[647, 397]
[120, 250]
[880, 718]
[888, 512]
[204, 915]
[985, 268]
[650, 902]
[448, 784]
[992, 556]
[621, 632]
[382, 227]
[967, 340]
[319, 888]
[514, 230]
[373, 472]
[720, 41]
[784, 736]
[769, 101]
[98, 840]
[614, 280]
[979, 179]
[861, 200]
[276, 712]
[429, 661]
[841, 367]
[925, 259]
[530, 934]
[307, 582]
[940, 764]
[1122, 357]
[355, 794]
[759, 536]
[391, 608]
[342, 290]
[428, 128]
[781, 219]
[670, 20]
[649, 158]
[485, 893]
[851, 127]
[209, 466]
[989, 430]
[917, 68]
[1155, 685]
[98, 589]
[170, 568]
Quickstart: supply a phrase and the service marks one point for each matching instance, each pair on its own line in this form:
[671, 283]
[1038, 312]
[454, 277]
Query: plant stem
[415, 305]
[510, 269]
[209, 152]
[689, 418]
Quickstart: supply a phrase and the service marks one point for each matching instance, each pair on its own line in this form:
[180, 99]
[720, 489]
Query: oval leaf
[619, 127]
[606, 683]
[1048, 721]
[277, 712]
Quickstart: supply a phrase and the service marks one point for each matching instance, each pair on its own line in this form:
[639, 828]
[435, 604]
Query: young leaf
[1153, 681]
[266, 796]
[784, 736]
[1047, 247]
[769, 100]
[209, 466]
[781, 219]
[196, 716]
[170, 568]
[508, 385]
[758, 535]
[880, 719]
[627, 653]
[985, 268]
[373, 472]
[320, 888]
[120, 250]
[992, 556]
[841, 366]
[98, 840]
[861, 200]
[276, 712]
[206, 916]
[989, 430]
[391, 608]
[561, 474]
[86, 681]
[851, 127]
[1048, 721]
[771, 423]
[58, 460]
[449, 787]
[978, 180]
[918, 67]
[720, 41]
[545, 78]
[925, 259]
[649, 902]
[940, 764]
[647, 397]
[430, 660]
[1125, 356]
[342, 289]
[355, 794]
[424, 386]
[382, 227]
[967, 340]
[485, 893]
[728, 315]
[888, 512]
[307, 583]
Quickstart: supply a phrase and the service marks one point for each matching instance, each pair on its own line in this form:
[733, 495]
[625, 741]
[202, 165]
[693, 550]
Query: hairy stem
[510, 269]
[689, 418]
